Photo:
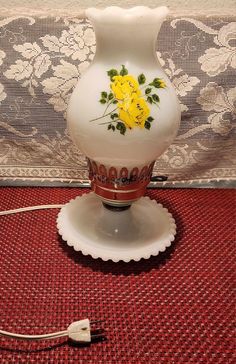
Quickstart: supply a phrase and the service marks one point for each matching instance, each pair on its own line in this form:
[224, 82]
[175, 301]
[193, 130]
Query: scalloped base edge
[73, 233]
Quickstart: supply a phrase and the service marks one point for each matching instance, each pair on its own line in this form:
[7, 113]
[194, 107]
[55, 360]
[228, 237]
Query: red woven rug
[177, 307]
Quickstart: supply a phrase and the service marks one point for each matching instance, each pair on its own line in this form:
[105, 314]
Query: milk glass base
[143, 230]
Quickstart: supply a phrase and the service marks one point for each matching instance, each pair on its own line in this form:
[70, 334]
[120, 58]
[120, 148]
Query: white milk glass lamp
[123, 114]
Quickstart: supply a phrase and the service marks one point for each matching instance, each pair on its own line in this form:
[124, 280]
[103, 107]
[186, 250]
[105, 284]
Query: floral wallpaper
[41, 60]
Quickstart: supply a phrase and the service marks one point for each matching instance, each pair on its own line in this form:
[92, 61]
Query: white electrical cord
[30, 208]
[78, 331]
[53, 335]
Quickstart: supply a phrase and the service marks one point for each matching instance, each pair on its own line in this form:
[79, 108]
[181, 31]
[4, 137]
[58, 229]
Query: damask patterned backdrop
[41, 60]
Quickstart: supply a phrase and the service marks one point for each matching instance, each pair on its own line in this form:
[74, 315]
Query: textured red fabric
[174, 308]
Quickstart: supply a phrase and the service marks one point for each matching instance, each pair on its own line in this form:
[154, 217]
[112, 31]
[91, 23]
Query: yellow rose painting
[124, 87]
[134, 112]
[131, 104]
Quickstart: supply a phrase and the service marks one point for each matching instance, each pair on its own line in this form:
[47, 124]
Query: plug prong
[97, 336]
[96, 322]
[97, 331]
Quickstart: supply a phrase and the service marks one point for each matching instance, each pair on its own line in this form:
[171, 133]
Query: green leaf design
[110, 96]
[104, 94]
[141, 79]
[123, 71]
[150, 119]
[103, 101]
[157, 82]
[156, 98]
[123, 130]
[113, 116]
[121, 127]
[111, 73]
[147, 125]
[149, 99]
[109, 127]
[148, 90]
[113, 128]
[115, 102]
